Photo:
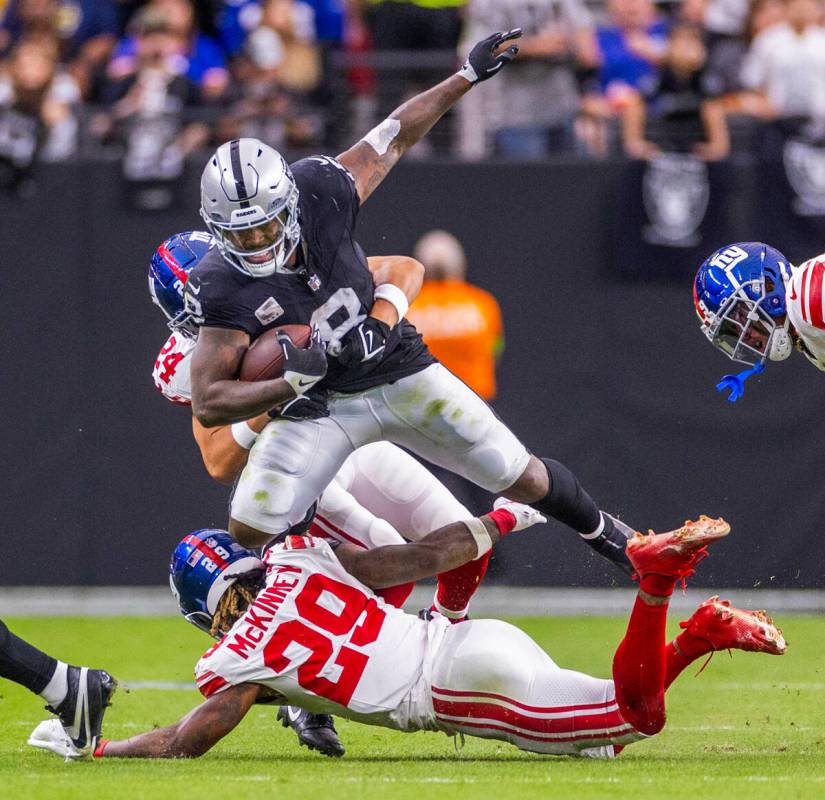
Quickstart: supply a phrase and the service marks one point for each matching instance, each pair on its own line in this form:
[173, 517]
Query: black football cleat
[611, 543]
[315, 731]
[81, 712]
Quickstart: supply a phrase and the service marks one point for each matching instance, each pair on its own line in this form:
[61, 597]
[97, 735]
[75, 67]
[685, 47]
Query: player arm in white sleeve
[395, 487]
[342, 518]
[442, 550]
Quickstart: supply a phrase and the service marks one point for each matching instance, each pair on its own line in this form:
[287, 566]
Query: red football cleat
[727, 628]
[675, 554]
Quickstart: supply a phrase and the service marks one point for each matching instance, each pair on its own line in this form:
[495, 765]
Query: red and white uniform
[381, 495]
[172, 371]
[805, 302]
[326, 643]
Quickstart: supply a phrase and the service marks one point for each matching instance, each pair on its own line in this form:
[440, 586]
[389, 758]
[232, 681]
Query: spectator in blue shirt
[203, 61]
[236, 19]
[632, 46]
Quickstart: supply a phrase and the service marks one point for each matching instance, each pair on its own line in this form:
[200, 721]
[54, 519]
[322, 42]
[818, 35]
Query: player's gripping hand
[483, 61]
[525, 515]
[302, 407]
[365, 342]
[303, 368]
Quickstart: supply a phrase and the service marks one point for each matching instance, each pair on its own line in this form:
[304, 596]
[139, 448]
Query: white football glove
[50, 735]
[526, 516]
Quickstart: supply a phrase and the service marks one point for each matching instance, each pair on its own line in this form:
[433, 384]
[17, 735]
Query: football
[265, 358]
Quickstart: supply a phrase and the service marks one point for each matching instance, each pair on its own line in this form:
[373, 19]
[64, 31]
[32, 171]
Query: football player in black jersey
[286, 254]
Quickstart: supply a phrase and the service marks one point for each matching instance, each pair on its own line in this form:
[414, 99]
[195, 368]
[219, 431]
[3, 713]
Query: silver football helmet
[249, 202]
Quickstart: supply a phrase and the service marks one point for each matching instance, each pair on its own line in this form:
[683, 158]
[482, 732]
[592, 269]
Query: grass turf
[751, 726]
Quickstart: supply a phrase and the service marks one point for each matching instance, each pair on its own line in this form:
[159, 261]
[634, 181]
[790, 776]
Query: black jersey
[332, 287]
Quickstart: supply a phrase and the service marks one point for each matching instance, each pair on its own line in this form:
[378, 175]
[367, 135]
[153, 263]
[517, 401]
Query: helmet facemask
[249, 202]
[275, 236]
[745, 331]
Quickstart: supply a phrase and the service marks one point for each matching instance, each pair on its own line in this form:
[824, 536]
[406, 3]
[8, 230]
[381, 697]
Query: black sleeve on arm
[324, 181]
[212, 308]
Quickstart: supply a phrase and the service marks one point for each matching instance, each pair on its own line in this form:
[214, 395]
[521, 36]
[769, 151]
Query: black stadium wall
[604, 369]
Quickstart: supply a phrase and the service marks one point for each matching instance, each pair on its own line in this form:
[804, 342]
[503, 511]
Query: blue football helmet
[168, 272]
[739, 295]
[203, 566]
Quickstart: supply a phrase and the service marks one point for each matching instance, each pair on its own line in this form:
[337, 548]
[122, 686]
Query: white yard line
[141, 601]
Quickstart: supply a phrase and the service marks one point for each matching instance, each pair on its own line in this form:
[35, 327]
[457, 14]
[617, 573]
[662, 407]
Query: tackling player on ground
[755, 307]
[286, 255]
[305, 627]
[379, 496]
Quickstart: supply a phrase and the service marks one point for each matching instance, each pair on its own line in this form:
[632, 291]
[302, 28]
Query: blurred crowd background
[151, 82]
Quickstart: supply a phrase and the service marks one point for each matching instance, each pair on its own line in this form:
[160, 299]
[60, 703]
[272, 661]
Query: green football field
[750, 726]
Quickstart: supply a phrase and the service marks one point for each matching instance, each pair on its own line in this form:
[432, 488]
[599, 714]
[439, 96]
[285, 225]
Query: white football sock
[57, 688]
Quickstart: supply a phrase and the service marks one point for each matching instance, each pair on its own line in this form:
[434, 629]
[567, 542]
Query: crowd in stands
[159, 79]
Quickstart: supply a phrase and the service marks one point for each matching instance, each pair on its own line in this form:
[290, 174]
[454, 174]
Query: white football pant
[431, 413]
[490, 679]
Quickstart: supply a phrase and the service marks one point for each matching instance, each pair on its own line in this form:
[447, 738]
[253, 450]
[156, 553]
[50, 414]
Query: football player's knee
[533, 483]
[567, 501]
[247, 536]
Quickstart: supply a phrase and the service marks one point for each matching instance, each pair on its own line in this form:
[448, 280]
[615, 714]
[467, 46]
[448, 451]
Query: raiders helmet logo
[675, 193]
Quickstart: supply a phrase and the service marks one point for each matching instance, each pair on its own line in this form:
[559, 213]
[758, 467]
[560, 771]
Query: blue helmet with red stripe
[739, 297]
[169, 270]
[203, 566]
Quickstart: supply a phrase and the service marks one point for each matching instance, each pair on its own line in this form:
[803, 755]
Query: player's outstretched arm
[376, 154]
[200, 730]
[442, 550]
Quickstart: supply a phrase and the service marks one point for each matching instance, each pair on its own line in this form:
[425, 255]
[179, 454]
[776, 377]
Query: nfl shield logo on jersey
[268, 311]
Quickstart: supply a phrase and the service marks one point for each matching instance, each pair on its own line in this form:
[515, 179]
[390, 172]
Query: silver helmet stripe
[237, 172]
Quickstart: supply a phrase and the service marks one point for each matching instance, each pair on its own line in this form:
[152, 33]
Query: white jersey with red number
[805, 302]
[172, 372]
[326, 643]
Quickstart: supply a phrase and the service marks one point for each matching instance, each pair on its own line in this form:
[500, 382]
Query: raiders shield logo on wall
[675, 192]
[805, 167]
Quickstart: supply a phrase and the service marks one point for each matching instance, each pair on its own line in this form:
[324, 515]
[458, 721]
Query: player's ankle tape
[101, 746]
[657, 585]
[484, 542]
[505, 520]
